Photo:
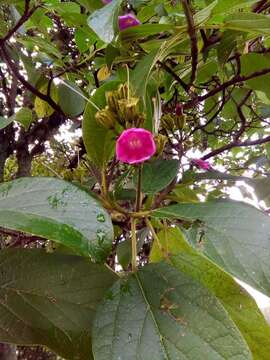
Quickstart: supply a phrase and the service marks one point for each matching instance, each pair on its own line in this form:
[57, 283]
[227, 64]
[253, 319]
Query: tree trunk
[8, 352]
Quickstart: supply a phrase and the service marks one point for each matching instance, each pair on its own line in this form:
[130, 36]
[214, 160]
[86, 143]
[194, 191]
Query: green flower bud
[168, 122]
[112, 101]
[160, 141]
[106, 118]
[180, 121]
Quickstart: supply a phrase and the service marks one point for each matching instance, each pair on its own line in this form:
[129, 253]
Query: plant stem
[139, 186]
[133, 245]
[154, 234]
[103, 183]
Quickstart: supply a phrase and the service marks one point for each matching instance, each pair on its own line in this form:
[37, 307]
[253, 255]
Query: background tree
[74, 75]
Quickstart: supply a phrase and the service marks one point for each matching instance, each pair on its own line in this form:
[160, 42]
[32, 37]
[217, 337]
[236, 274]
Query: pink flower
[135, 145]
[106, 1]
[202, 164]
[127, 20]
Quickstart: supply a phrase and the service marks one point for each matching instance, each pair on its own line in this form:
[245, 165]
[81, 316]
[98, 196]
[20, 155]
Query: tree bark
[8, 352]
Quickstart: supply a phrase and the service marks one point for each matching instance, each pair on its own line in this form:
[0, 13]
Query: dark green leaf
[71, 99]
[50, 299]
[255, 62]
[161, 313]
[99, 142]
[59, 211]
[240, 306]
[157, 174]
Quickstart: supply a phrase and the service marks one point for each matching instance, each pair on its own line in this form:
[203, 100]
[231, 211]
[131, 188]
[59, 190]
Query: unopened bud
[123, 91]
[179, 110]
[180, 121]
[112, 101]
[168, 122]
[128, 110]
[160, 141]
[106, 118]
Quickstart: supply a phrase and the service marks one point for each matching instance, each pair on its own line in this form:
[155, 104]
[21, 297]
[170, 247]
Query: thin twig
[193, 40]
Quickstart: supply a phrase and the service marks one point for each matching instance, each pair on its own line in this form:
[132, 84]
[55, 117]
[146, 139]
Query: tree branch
[13, 69]
[236, 143]
[174, 75]
[235, 80]
[26, 15]
[193, 39]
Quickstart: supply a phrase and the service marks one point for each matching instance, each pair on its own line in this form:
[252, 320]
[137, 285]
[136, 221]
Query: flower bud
[128, 110]
[112, 101]
[160, 141]
[106, 118]
[168, 122]
[179, 110]
[127, 20]
[180, 121]
[122, 91]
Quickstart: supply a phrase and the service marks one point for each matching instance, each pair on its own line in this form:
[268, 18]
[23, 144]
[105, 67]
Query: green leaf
[104, 21]
[183, 193]
[25, 117]
[237, 302]
[42, 108]
[59, 211]
[4, 122]
[203, 15]
[227, 6]
[137, 32]
[157, 174]
[141, 74]
[71, 99]
[50, 299]
[161, 313]
[90, 5]
[256, 62]
[248, 21]
[99, 141]
[234, 235]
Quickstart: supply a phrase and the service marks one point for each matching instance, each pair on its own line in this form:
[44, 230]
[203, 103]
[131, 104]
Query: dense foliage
[123, 127]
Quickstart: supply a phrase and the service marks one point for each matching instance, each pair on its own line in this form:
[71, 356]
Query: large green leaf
[238, 303]
[71, 99]
[104, 21]
[59, 211]
[50, 299]
[157, 174]
[141, 74]
[232, 234]
[161, 313]
[98, 140]
[256, 62]
[250, 22]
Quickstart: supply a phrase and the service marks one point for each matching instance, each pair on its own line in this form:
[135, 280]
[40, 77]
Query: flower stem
[103, 183]
[139, 186]
[133, 245]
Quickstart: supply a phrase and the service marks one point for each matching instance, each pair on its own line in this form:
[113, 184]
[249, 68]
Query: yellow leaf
[42, 108]
[103, 73]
